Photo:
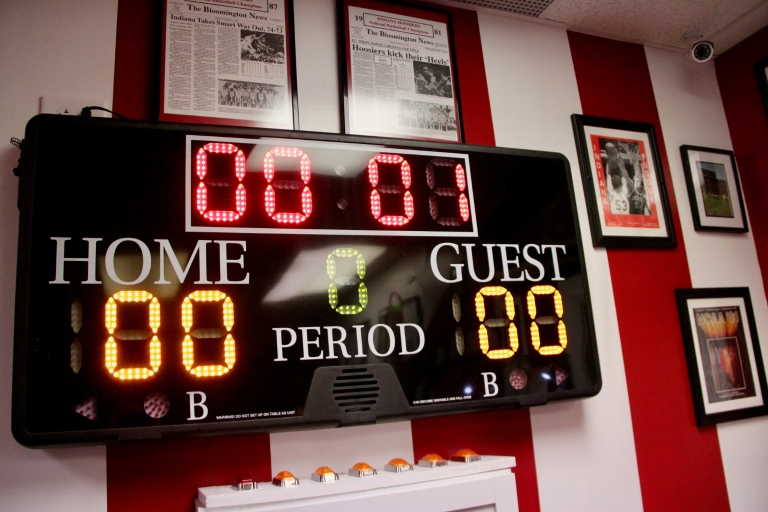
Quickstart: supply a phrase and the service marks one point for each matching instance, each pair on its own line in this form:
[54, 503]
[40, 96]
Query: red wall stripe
[473, 86]
[679, 463]
[137, 59]
[748, 124]
[161, 476]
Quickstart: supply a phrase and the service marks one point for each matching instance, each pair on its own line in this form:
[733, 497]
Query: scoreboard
[187, 279]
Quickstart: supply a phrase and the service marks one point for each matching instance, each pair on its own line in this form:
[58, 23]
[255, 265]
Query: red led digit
[201, 195]
[270, 200]
[188, 345]
[457, 191]
[111, 323]
[562, 338]
[405, 178]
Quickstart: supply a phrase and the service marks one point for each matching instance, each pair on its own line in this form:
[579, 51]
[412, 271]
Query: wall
[61, 49]
[589, 455]
[745, 453]
[532, 110]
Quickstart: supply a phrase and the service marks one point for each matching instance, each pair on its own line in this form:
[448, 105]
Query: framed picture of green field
[714, 189]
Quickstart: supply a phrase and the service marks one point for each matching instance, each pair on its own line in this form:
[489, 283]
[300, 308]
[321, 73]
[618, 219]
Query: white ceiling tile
[664, 23]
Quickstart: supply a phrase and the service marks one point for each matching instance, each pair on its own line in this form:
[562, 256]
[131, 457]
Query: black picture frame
[395, 8]
[714, 189]
[725, 365]
[761, 71]
[628, 224]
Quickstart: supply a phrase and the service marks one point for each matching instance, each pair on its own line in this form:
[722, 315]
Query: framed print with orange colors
[725, 364]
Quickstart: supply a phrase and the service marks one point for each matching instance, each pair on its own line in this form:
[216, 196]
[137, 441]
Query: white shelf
[487, 484]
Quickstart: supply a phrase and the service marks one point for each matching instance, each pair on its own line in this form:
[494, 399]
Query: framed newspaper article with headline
[229, 64]
[623, 183]
[398, 71]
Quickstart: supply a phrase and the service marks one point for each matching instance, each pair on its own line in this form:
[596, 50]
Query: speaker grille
[355, 390]
[525, 7]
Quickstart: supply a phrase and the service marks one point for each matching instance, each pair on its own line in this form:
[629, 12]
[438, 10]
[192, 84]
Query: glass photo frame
[714, 189]
[623, 183]
[725, 365]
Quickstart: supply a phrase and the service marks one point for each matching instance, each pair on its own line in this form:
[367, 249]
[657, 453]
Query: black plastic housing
[111, 180]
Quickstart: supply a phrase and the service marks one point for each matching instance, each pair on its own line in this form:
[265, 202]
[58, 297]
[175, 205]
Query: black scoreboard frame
[392, 405]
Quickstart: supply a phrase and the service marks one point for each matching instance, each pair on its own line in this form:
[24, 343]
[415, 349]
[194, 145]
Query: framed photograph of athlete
[714, 189]
[623, 183]
[229, 63]
[761, 70]
[725, 365]
[398, 71]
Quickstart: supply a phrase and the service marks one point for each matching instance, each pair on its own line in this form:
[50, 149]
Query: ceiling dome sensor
[702, 51]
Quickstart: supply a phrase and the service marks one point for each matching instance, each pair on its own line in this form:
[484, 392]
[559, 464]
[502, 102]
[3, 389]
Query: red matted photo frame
[228, 65]
[623, 183]
[398, 71]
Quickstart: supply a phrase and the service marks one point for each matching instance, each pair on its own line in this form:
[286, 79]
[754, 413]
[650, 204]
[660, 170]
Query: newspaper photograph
[223, 62]
[400, 79]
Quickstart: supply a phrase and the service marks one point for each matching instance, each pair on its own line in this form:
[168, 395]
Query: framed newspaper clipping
[398, 71]
[230, 63]
[623, 183]
[725, 365]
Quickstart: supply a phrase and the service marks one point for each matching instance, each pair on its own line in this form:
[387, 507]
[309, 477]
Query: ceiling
[671, 24]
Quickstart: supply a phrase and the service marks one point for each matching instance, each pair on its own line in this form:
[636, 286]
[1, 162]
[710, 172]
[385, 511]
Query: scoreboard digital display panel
[177, 280]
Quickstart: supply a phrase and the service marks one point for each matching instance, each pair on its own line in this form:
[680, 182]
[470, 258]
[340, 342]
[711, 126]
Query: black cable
[86, 112]
[19, 143]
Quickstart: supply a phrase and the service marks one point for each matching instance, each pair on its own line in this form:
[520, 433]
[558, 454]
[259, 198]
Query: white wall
[585, 455]
[585, 451]
[316, 65]
[65, 49]
[691, 112]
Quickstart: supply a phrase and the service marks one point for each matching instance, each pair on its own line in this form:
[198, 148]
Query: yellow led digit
[188, 345]
[548, 350]
[333, 292]
[485, 323]
[115, 335]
